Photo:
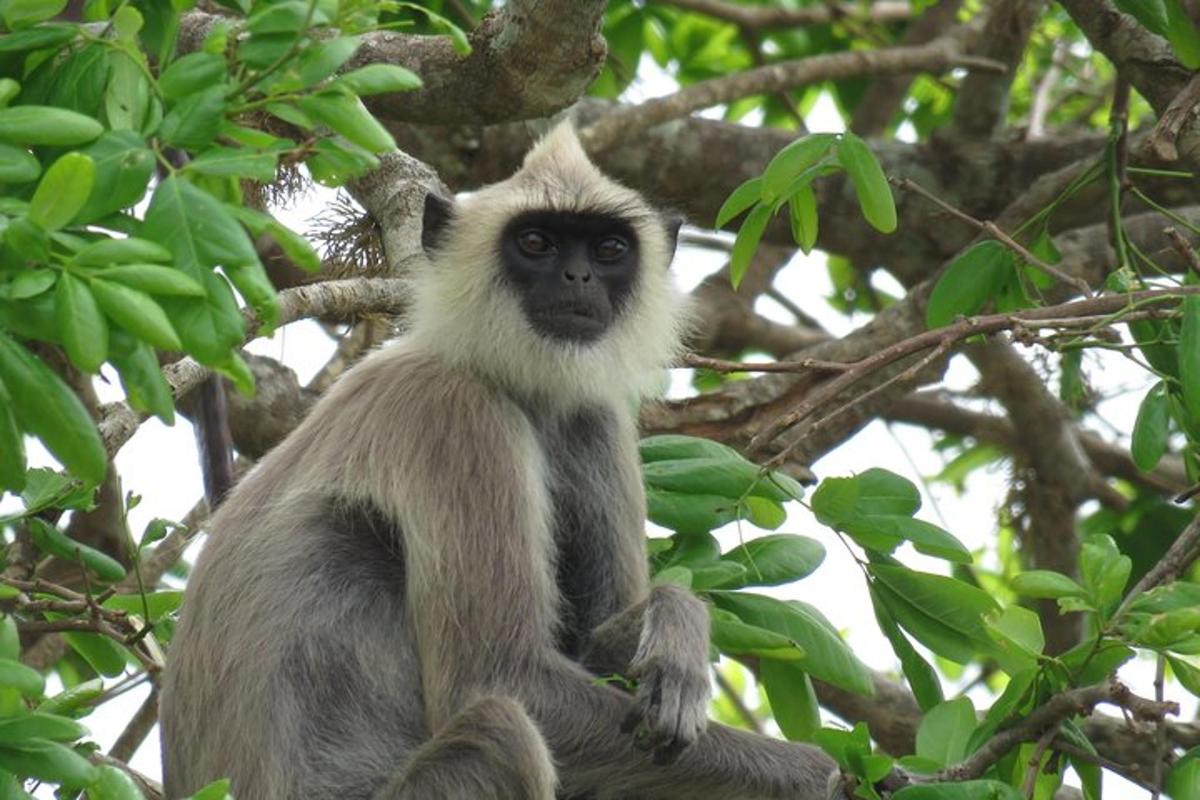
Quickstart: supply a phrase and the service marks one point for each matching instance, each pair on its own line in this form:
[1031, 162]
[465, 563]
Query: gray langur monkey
[412, 595]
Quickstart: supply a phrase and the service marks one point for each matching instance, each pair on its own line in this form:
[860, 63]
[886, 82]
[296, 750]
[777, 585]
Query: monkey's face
[573, 272]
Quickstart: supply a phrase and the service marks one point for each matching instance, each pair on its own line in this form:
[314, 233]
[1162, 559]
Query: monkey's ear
[673, 223]
[438, 212]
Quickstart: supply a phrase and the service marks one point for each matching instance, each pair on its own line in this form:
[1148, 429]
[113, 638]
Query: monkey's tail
[213, 439]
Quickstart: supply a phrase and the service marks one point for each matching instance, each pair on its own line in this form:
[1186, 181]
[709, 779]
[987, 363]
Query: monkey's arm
[481, 595]
[661, 641]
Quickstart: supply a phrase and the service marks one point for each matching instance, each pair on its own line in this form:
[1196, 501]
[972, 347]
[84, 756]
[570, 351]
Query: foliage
[126, 240]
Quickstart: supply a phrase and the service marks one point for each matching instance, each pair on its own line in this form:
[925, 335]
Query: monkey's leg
[663, 642]
[490, 750]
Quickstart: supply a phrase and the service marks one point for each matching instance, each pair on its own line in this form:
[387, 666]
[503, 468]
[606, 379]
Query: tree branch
[757, 18]
[936, 56]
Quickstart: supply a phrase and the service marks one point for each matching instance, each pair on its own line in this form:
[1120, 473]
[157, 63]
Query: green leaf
[1152, 429]
[345, 114]
[217, 790]
[124, 166]
[921, 678]
[764, 512]
[676, 576]
[870, 184]
[793, 700]
[875, 492]
[43, 37]
[80, 323]
[1187, 675]
[47, 761]
[378, 79]
[235, 163]
[731, 635]
[316, 63]
[802, 211]
[945, 730]
[145, 387]
[1189, 356]
[1164, 599]
[255, 285]
[727, 476]
[47, 488]
[1018, 635]
[12, 448]
[335, 161]
[47, 408]
[1104, 571]
[973, 278]
[10, 639]
[26, 680]
[54, 542]
[294, 246]
[127, 96]
[191, 73]
[966, 790]
[671, 447]
[1047, 585]
[1182, 34]
[71, 700]
[777, 559]
[746, 243]
[15, 730]
[47, 125]
[1183, 782]
[195, 121]
[154, 279]
[120, 251]
[944, 614]
[201, 234]
[17, 165]
[792, 160]
[827, 657]
[289, 16]
[113, 784]
[137, 313]
[688, 513]
[25, 13]
[741, 198]
[160, 604]
[62, 191]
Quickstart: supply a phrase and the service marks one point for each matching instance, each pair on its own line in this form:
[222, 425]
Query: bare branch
[1052, 713]
[758, 18]
[936, 56]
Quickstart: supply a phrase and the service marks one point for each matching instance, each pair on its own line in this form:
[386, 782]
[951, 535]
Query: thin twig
[735, 698]
[1093, 311]
[1052, 713]
[993, 230]
[721, 365]
[1160, 730]
[1034, 764]
[1182, 246]
[137, 729]
[1161, 141]
[1179, 556]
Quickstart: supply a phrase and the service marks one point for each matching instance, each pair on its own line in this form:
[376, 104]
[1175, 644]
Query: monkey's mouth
[575, 322]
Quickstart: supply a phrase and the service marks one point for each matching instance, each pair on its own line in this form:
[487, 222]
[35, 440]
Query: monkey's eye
[611, 248]
[534, 243]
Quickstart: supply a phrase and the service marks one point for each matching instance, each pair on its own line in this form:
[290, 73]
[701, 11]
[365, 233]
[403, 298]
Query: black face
[573, 272]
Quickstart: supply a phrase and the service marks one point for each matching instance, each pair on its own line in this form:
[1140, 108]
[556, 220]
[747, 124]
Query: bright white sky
[160, 464]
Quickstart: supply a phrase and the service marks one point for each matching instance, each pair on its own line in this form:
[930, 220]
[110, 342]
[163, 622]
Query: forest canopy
[973, 220]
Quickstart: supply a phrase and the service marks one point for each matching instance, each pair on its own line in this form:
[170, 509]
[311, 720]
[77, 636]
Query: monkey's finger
[668, 753]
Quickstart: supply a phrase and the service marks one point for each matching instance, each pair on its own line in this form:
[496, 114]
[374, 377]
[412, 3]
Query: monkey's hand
[671, 666]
